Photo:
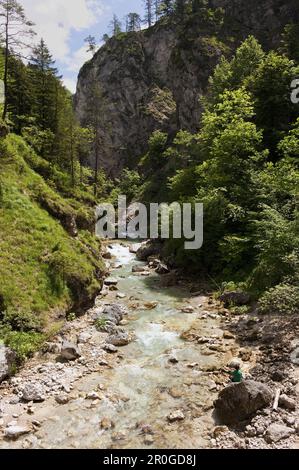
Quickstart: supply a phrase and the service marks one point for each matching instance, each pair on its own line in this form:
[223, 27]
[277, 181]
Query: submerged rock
[238, 402]
[111, 281]
[138, 268]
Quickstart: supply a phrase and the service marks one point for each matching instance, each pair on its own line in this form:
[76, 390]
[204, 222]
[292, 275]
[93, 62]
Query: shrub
[282, 299]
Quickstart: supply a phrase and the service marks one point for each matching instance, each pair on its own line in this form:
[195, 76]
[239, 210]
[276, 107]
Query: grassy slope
[43, 270]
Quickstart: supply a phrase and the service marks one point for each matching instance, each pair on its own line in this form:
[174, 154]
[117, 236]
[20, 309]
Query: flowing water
[144, 387]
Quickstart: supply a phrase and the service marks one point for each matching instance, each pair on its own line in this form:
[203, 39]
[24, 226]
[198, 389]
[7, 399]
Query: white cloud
[56, 19]
[75, 60]
[70, 84]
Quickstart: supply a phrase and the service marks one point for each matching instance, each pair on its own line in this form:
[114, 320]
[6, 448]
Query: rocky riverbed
[143, 368]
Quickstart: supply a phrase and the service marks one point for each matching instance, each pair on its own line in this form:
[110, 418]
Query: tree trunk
[96, 171]
[6, 68]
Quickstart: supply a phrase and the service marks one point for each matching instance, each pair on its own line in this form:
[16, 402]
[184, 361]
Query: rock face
[7, 361]
[153, 79]
[238, 402]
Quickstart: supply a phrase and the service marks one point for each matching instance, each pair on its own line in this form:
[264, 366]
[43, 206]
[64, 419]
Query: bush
[282, 299]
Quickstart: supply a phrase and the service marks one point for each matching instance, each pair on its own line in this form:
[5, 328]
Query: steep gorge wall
[154, 79]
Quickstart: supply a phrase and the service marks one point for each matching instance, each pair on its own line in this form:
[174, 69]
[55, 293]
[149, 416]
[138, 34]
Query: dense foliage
[243, 166]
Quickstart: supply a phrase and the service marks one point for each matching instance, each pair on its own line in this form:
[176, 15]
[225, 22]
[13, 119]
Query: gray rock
[134, 248]
[278, 375]
[238, 402]
[69, 351]
[151, 248]
[287, 403]
[173, 360]
[84, 337]
[162, 269]
[62, 399]
[7, 362]
[110, 348]
[138, 268]
[110, 316]
[52, 348]
[120, 295]
[14, 432]
[93, 396]
[120, 338]
[111, 281]
[277, 432]
[176, 416]
[295, 356]
[235, 298]
[33, 392]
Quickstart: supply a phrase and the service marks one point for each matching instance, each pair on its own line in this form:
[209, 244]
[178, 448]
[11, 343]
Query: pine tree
[133, 22]
[115, 26]
[93, 112]
[19, 94]
[45, 82]
[16, 31]
[91, 43]
[167, 7]
[149, 13]
[157, 8]
[180, 8]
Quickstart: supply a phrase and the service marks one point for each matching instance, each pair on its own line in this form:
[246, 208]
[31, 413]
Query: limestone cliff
[154, 79]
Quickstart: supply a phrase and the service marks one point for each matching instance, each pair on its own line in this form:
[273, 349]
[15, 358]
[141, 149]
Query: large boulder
[109, 316]
[7, 362]
[69, 351]
[238, 402]
[235, 299]
[33, 392]
[120, 338]
[151, 248]
[162, 269]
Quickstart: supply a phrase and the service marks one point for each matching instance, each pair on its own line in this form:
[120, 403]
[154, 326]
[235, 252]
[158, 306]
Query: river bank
[157, 391]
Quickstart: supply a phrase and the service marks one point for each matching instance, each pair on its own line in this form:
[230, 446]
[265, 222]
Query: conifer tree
[115, 26]
[45, 81]
[133, 22]
[15, 32]
[149, 12]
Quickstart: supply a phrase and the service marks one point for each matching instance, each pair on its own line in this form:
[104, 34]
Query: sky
[64, 24]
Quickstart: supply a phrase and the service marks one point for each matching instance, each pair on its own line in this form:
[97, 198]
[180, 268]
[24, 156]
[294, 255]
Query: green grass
[43, 270]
